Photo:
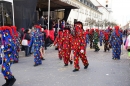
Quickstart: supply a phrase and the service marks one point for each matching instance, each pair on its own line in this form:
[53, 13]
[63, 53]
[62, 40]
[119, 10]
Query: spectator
[127, 45]
[42, 21]
[28, 38]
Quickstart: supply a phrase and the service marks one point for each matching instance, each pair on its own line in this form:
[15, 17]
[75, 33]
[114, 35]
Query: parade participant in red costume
[58, 42]
[79, 47]
[106, 39]
[66, 45]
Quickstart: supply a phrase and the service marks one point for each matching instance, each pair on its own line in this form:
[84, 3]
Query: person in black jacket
[27, 37]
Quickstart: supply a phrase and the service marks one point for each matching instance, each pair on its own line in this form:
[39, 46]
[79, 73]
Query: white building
[86, 13]
[107, 13]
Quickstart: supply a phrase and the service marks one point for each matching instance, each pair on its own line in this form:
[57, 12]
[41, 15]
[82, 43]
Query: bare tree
[105, 22]
[113, 24]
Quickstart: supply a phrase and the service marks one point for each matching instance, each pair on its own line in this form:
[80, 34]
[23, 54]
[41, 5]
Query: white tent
[11, 1]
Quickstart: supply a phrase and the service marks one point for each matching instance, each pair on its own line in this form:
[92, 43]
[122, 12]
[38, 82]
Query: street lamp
[48, 15]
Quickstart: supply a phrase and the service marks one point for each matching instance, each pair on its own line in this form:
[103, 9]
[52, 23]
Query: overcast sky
[120, 10]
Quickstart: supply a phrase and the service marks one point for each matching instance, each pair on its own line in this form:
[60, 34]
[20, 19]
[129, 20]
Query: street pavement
[102, 71]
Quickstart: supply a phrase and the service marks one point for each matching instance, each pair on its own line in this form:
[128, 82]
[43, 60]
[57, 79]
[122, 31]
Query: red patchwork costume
[58, 42]
[79, 47]
[66, 46]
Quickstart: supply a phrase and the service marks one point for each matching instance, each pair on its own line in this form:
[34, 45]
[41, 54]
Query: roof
[102, 6]
[56, 4]
[7, 0]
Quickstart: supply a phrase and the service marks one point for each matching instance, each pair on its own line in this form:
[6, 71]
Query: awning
[7, 0]
[56, 4]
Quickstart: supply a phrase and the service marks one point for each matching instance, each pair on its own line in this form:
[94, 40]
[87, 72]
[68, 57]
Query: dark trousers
[26, 50]
[29, 51]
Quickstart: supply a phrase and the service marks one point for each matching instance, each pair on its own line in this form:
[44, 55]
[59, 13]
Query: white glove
[51, 45]
[59, 49]
[2, 46]
[81, 51]
[55, 45]
[72, 51]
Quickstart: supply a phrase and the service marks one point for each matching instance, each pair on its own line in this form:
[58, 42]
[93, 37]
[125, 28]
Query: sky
[120, 10]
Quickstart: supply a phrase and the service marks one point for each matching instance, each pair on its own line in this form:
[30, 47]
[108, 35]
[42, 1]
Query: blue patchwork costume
[0, 55]
[8, 55]
[16, 40]
[116, 42]
[37, 42]
[101, 37]
[1, 49]
[87, 38]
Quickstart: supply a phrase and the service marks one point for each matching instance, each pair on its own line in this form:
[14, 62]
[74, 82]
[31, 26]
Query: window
[6, 17]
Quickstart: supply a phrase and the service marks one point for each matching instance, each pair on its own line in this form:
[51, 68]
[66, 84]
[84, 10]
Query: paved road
[102, 71]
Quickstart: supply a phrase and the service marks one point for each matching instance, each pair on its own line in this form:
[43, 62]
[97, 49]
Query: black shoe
[98, 49]
[117, 59]
[114, 58]
[71, 62]
[60, 58]
[35, 65]
[12, 81]
[15, 62]
[66, 65]
[56, 48]
[75, 70]
[85, 67]
[42, 59]
[30, 53]
[7, 83]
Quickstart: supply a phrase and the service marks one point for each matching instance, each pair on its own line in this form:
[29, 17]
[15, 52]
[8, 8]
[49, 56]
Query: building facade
[107, 18]
[87, 13]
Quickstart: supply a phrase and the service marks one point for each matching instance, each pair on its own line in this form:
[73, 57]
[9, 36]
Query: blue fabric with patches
[37, 43]
[8, 54]
[116, 42]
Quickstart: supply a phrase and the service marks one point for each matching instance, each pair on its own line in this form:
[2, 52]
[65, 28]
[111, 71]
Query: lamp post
[48, 15]
[2, 14]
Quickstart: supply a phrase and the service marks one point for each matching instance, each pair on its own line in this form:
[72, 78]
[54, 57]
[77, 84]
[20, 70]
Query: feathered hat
[15, 30]
[37, 27]
[7, 28]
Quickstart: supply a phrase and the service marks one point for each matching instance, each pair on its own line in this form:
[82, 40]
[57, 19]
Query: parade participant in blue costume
[8, 49]
[101, 37]
[16, 40]
[37, 41]
[116, 42]
[86, 33]
[0, 45]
